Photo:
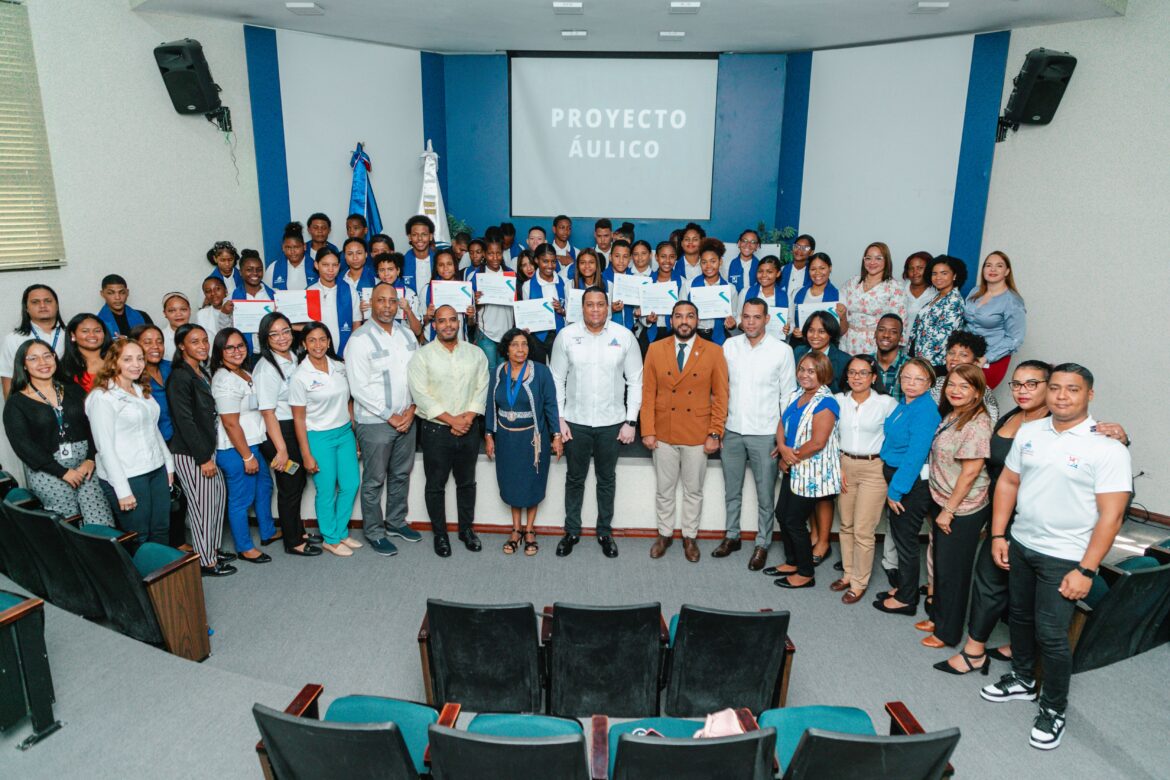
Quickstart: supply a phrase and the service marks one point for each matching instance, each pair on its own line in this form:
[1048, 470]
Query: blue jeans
[151, 517]
[492, 350]
[246, 490]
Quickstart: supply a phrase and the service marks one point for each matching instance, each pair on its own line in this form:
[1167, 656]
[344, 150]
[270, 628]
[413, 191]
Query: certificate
[659, 298]
[499, 289]
[712, 300]
[246, 315]
[457, 295]
[534, 315]
[777, 319]
[627, 288]
[806, 310]
[299, 305]
[573, 309]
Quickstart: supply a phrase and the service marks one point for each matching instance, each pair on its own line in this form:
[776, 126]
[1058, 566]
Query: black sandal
[945, 665]
[530, 548]
[512, 545]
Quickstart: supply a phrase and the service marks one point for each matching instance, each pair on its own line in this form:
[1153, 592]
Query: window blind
[30, 224]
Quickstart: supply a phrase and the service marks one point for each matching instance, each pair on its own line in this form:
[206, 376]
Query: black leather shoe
[911, 609]
[470, 540]
[224, 557]
[314, 538]
[784, 582]
[442, 547]
[308, 550]
[608, 546]
[271, 539]
[261, 558]
[838, 566]
[566, 544]
[218, 570]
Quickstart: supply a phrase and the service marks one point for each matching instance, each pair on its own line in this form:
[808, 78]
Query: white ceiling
[633, 25]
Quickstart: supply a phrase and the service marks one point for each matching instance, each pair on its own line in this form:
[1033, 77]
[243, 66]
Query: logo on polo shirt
[1028, 449]
[316, 384]
[614, 343]
[1074, 462]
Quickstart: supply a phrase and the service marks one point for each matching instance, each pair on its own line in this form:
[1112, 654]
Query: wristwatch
[632, 423]
[1090, 573]
[714, 436]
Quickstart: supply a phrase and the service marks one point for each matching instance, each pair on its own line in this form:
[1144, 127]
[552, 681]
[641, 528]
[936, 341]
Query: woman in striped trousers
[193, 446]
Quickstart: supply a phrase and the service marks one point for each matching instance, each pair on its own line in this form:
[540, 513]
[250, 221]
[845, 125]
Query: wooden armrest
[176, 593]
[663, 630]
[789, 647]
[73, 520]
[546, 625]
[902, 721]
[306, 704]
[160, 574]
[424, 629]
[447, 717]
[599, 758]
[780, 699]
[1162, 554]
[18, 611]
[746, 719]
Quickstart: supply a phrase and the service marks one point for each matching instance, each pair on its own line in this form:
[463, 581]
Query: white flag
[430, 202]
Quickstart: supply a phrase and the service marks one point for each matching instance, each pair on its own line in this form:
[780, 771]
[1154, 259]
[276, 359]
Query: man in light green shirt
[448, 381]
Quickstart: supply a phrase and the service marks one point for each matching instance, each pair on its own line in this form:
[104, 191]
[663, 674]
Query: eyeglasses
[858, 374]
[1031, 384]
[44, 357]
[235, 348]
[916, 380]
[749, 242]
[874, 257]
[281, 332]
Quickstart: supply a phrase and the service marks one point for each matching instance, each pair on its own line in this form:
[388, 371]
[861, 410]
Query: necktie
[682, 356]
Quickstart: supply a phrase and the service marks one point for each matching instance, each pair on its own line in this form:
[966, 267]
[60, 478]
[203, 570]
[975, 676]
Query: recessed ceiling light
[930, 6]
[574, 33]
[568, 8]
[671, 35]
[305, 9]
[684, 6]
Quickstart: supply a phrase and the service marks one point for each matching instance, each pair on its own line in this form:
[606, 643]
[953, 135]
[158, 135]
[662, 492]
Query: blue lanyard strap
[512, 388]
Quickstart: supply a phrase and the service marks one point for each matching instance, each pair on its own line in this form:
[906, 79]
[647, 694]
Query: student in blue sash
[547, 285]
[587, 271]
[741, 271]
[116, 315]
[359, 274]
[525, 267]
[766, 289]
[819, 290]
[652, 330]
[319, 226]
[794, 276]
[418, 261]
[508, 237]
[253, 288]
[389, 268]
[603, 238]
[224, 258]
[493, 320]
[339, 311]
[293, 270]
[642, 259]
[445, 272]
[710, 260]
[380, 244]
[40, 318]
[459, 244]
[688, 266]
[566, 252]
[619, 264]
[357, 227]
[475, 252]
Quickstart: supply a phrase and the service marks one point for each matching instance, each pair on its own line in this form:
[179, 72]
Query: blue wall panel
[791, 179]
[477, 138]
[268, 136]
[434, 97]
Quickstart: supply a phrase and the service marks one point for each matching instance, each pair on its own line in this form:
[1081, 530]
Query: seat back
[66, 583]
[853, 757]
[741, 757]
[312, 749]
[1127, 619]
[605, 659]
[118, 584]
[19, 561]
[457, 754]
[7, 484]
[485, 657]
[722, 659]
[26, 683]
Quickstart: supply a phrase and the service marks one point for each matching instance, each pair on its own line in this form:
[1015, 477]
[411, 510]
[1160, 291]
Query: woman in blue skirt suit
[522, 429]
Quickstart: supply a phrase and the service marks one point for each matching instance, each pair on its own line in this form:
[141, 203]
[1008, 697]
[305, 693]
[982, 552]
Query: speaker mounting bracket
[221, 117]
[1001, 129]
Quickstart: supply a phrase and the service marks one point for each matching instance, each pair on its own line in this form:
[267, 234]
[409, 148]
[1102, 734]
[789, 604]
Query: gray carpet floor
[350, 624]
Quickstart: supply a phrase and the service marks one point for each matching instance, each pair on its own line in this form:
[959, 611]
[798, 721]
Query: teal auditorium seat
[412, 719]
[505, 746]
[26, 683]
[19, 561]
[620, 753]
[1126, 612]
[512, 725]
[791, 723]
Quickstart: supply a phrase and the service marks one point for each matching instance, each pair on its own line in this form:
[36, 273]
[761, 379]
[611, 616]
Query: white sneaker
[1047, 729]
[1010, 688]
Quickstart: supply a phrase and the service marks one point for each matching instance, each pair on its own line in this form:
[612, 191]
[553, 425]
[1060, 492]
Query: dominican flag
[361, 193]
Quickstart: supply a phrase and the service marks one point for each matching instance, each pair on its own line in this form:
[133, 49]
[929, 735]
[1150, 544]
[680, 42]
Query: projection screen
[625, 137]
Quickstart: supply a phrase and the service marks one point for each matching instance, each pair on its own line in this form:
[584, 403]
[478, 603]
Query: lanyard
[512, 388]
[58, 408]
[56, 338]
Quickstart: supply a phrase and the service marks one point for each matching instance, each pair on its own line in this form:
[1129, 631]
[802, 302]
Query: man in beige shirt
[448, 381]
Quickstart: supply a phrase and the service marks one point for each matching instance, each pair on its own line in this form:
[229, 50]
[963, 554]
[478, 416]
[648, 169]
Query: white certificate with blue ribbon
[659, 298]
[457, 295]
[534, 315]
[712, 300]
[499, 288]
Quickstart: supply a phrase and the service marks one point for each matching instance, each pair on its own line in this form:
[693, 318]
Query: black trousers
[792, 512]
[954, 554]
[599, 444]
[989, 594]
[904, 528]
[1040, 618]
[289, 487]
[445, 454]
[541, 351]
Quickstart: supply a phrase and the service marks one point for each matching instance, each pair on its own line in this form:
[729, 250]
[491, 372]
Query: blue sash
[344, 316]
[410, 268]
[626, 315]
[312, 258]
[786, 278]
[572, 251]
[280, 272]
[536, 291]
[830, 295]
[237, 277]
[736, 276]
[780, 296]
[133, 319]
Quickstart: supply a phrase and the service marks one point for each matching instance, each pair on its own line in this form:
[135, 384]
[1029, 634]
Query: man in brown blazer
[684, 407]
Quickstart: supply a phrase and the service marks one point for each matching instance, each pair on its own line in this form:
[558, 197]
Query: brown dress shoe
[726, 547]
[659, 547]
[759, 559]
[839, 585]
[852, 597]
[691, 549]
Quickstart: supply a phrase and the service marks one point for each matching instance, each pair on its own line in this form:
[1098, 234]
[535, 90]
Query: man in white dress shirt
[376, 360]
[40, 318]
[597, 368]
[762, 380]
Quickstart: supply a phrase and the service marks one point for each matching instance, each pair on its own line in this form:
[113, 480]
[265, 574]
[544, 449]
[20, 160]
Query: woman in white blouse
[864, 410]
[239, 431]
[133, 462]
[917, 287]
[177, 311]
[323, 416]
[867, 297]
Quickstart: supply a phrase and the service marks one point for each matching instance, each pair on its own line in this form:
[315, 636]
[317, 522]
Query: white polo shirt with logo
[1060, 477]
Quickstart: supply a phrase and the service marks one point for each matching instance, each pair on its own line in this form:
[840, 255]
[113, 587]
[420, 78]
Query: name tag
[64, 450]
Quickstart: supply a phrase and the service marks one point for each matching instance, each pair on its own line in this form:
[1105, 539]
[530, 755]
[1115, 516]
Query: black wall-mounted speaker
[1039, 87]
[186, 76]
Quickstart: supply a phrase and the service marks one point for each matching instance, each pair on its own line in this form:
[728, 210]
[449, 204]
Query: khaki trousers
[674, 464]
[861, 506]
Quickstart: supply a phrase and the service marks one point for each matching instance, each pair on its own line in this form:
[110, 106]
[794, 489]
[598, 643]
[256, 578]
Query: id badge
[252, 403]
[65, 450]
